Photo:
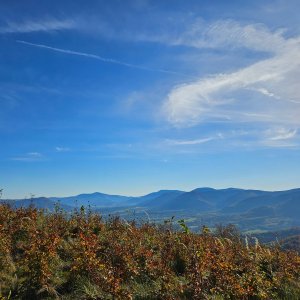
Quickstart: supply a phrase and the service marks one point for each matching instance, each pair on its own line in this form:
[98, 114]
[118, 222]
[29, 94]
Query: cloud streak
[101, 58]
[29, 157]
[190, 142]
[37, 26]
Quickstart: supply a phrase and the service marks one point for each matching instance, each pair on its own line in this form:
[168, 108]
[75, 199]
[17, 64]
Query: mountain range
[228, 204]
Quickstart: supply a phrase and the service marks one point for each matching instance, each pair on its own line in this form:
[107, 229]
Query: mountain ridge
[247, 208]
[230, 200]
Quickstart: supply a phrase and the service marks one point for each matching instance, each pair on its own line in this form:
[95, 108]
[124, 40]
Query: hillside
[82, 256]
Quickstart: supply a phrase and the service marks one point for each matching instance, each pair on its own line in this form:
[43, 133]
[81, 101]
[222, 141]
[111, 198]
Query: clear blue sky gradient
[129, 97]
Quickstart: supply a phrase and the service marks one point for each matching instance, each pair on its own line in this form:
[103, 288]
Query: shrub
[81, 256]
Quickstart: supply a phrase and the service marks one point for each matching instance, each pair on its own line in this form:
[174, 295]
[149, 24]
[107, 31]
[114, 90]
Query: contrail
[104, 59]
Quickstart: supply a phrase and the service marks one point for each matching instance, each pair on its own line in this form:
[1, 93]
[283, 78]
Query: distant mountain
[233, 200]
[249, 209]
[289, 208]
[284, 202]
[229, 200]
[95, 200]
[104, 200]
[41, 202]
[160, 198]
[157, 194]
[218, 198]
[186, 201]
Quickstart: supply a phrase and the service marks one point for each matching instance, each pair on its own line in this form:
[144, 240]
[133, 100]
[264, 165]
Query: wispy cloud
[230, 34]
[282, 134]
[38, 25]
[103, 59]
[34, 154]
[265, 92]
[196, 32]
[62, 149]
[190, 142]
[29, 157]
[254, 137]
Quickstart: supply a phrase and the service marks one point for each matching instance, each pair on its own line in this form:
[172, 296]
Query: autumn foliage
[82, 256]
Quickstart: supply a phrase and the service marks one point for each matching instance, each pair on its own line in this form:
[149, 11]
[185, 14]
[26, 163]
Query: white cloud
[34, 154]
[29, 157]
[229, 33]
[198, 33]
[279, 144]
[266, 91]
[38, 25]
[190, 142]
[62, 149]
[282, 134]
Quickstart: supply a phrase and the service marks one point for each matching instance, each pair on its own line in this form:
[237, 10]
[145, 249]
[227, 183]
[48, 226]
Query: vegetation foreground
[82, 256]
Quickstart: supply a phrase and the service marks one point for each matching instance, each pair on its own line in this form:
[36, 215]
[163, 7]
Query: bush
[82, 256]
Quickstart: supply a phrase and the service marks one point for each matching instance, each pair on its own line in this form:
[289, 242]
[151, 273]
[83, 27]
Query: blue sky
[128, 97]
